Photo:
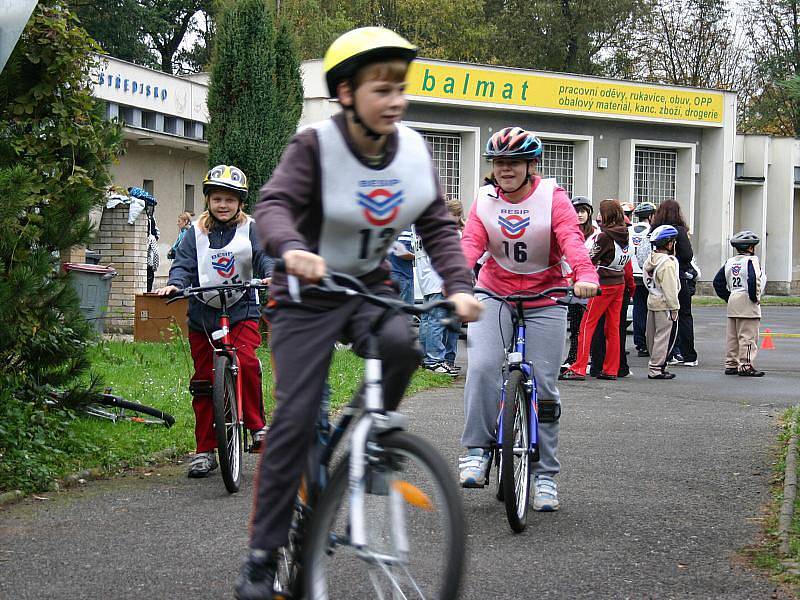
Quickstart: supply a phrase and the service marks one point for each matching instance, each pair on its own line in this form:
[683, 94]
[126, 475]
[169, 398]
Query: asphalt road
[662, 486]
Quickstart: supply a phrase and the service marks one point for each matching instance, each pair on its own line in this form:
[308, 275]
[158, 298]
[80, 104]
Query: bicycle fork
[362, 453]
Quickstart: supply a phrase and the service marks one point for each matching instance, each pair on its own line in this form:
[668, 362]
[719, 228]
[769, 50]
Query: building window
[189, 129]
[446, 152]
[188, 198]
[170, 125]
[558, 162]
[148, 120]
[147, 186]
[654, 175]
[126, 115]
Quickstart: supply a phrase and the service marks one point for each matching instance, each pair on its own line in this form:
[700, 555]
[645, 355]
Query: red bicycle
[226, 385]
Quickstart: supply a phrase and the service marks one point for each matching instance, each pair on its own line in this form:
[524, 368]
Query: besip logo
[513, 226]
[735, 270]
[224, 265]
[380, 205]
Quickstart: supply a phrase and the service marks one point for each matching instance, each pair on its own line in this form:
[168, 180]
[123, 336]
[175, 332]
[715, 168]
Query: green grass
[765, 554]
[765, 301]
[155, 374]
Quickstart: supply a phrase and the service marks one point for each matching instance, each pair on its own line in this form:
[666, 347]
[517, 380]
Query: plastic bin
[93, 284]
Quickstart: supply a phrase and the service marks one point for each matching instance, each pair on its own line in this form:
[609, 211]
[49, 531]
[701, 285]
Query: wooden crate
[153, 318]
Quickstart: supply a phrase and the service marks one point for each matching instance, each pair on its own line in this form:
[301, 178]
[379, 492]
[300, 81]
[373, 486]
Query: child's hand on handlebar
[168, 290]
[585, 289]
[305, 265]
[468, 308]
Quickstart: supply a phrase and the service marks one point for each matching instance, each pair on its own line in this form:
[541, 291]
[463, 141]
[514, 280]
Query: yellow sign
[432, 80]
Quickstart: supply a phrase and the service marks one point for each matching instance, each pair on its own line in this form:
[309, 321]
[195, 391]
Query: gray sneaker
[473, 468]
[545, 498]
[202, 464]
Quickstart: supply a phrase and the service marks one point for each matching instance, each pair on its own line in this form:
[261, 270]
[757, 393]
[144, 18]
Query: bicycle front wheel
[230, 442]
[515, 459]
[414, 522]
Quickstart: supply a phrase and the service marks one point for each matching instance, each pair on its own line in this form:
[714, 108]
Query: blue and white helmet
[662, 234]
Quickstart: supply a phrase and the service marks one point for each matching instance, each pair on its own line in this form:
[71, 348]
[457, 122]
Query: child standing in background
[740, 282]
[661, 279]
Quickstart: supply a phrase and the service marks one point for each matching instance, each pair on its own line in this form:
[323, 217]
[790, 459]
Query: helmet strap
[368, 131]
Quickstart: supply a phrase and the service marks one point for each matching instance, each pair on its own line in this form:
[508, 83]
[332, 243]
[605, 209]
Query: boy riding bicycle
[221, 247]
[343, 191]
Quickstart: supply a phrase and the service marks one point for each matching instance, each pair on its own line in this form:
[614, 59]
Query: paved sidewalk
[662, 486]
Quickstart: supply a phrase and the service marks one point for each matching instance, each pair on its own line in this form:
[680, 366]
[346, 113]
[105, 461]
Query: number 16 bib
[519, 234]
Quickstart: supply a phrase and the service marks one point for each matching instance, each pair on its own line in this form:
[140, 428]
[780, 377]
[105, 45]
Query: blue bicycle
[517, 434]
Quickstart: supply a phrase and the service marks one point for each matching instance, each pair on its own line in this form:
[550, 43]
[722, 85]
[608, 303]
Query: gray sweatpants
[546, 331]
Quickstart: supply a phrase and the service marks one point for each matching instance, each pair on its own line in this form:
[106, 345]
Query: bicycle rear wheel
[515, 460]
[230, 441]
[414, 522]
[124, 410]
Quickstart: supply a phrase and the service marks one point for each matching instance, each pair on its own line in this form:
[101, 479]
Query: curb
[158, 458]
[789, 491]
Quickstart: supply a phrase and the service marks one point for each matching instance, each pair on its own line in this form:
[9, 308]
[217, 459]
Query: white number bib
[519, 234]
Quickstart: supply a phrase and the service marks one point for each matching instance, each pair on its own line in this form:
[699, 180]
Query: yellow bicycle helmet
[359, 47]
[227, 177]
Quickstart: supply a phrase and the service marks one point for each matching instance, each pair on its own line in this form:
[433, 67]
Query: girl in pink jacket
[528, 226]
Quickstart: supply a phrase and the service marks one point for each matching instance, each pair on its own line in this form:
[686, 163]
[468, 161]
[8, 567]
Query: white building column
[715, 203]
[780, 214]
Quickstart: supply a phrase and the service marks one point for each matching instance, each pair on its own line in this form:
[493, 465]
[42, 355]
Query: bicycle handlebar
[330, 283]
[565, 300]
[254, 284]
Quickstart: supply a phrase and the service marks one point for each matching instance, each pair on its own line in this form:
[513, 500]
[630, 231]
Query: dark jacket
[183, 273]
[721, 284]
[603, 251]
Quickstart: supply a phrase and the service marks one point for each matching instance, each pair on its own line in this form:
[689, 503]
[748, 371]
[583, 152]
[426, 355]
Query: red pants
[246, 338]
[609, 303]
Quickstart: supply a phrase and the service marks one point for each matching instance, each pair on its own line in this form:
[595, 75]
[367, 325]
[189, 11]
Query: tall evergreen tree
[255, 95]
[55, 147]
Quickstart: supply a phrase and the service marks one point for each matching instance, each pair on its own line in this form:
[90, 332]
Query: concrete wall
[169, 169]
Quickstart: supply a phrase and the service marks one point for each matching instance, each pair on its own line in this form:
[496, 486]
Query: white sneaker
[202, 464]
[690, 363]
[473, 468]
[545, 498]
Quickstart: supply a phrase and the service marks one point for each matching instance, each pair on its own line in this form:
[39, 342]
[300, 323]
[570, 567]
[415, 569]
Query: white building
[603, 138]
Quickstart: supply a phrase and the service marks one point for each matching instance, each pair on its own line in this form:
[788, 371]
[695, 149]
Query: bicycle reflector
[413, 495]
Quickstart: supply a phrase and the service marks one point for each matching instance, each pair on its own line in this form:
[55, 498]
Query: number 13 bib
[365, 209]
[519, 234]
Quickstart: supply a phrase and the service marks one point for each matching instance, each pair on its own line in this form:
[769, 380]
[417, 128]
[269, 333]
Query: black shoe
[749, 371]
[607, 376]
[256, 580]
[623, 374]
[731, 370]
[594, 374]
[643, 353]
[664, 375]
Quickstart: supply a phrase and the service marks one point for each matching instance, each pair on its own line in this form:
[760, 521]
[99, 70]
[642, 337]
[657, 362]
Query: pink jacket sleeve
[474, 240]
[570, 239]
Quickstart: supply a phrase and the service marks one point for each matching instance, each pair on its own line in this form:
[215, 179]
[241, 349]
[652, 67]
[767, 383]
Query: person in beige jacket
[661, 279]
[740, 282]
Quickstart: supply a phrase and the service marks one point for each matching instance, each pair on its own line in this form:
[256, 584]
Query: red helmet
[513, 142]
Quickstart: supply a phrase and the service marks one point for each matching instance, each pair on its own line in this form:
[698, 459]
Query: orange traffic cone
[767, 344]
